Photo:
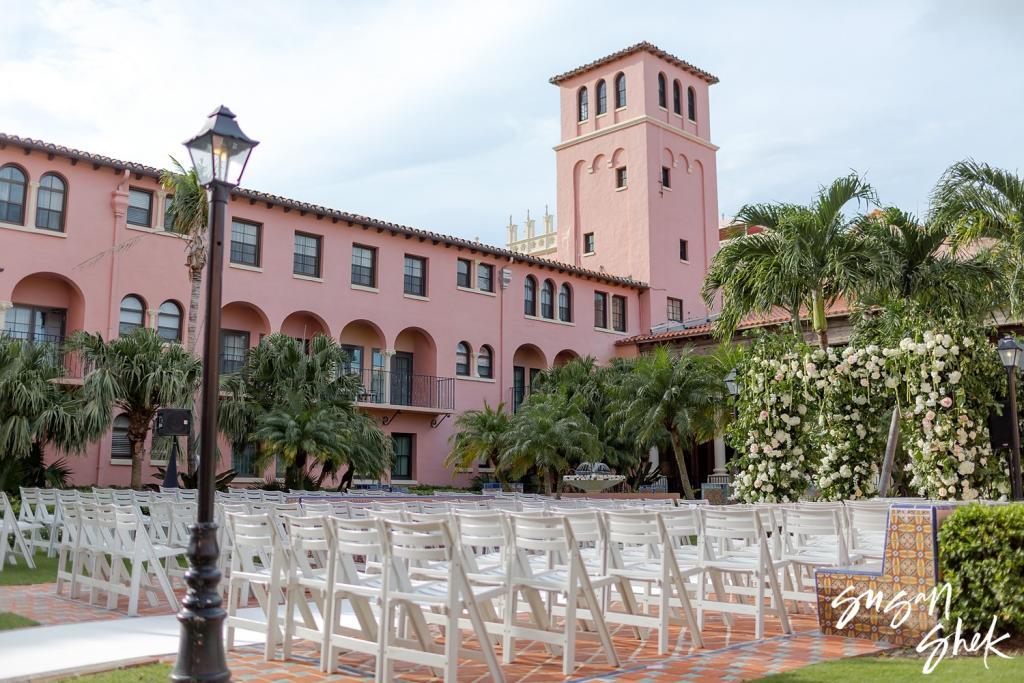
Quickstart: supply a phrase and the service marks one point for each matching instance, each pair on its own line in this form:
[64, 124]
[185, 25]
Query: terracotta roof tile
[643, 46]
[277, 200]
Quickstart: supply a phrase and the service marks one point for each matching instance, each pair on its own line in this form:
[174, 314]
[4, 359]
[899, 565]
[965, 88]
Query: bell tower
[637, 180]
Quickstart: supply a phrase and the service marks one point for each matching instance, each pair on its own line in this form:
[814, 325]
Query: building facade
[435, 325]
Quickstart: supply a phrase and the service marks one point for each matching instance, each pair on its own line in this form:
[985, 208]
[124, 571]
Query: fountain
[592, 477]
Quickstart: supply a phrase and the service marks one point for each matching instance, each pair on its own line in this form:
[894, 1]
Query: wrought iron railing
[53, 347]
[517, 397]
[384, 387]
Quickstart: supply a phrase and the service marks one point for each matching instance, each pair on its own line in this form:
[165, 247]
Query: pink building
[435, 324]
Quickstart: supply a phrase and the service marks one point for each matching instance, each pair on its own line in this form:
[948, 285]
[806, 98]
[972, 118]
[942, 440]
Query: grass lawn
[20, 575]
[10, 621]
[151, 673]
[900, 669]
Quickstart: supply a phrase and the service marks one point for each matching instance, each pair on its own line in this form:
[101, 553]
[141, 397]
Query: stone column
[654, 456]
[30, 207]
[720, 456]
[4, 307]
[151, 315]
[473, 355]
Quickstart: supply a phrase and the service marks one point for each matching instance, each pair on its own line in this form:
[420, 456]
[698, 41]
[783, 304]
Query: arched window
[602, 97]
[565, 303]
[582, 104]
[485, 362]
[132, 314]
[462, 359]
[168, 321]
[620, 91]
[12, 194]
[661, 90]
[530, 296]
[691, 104]
[50, 203]
[547, 300]
[677, 98]
[120, 446]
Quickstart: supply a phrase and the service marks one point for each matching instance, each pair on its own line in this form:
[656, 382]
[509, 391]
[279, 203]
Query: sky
[439, 114]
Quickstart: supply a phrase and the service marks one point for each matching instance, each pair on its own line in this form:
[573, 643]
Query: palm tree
[37, 412]
[300, 407]
[975, 201]
[927, 269]
[189, 216]
[803, 257]
[671, 399]
[479, 436]
[549, 433]
[137, 373]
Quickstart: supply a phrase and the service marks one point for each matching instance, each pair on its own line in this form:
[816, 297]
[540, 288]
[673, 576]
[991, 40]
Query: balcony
[53, 347]
[399, 389]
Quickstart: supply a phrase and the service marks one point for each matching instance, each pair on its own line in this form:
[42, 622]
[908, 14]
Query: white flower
[966, 467]
[954, 377]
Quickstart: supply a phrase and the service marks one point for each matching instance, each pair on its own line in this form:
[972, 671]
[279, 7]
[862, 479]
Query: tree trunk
[819, 320]
[549, 485]
[138, 454]
[684, 474]
[294, 476]
[196, 277]
[346, 479]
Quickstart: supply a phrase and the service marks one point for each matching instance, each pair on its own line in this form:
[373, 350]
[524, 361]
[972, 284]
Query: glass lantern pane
[201, 151]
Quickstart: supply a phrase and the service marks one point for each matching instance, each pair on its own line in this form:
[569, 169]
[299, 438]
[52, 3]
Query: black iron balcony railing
[53, 347]
[384, 387]
[517, 396]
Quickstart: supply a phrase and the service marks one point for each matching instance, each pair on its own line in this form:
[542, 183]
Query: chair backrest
[480, 533]
[723, 527]
[310, 544]
[540, 533]
[317, 507]
[253, 538]
[682, 525]
[818, 530]
[188, 495]
[29, 503]
[413, 543]
[632, 529]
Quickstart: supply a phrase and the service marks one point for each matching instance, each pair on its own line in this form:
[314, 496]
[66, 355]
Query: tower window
[620, 91]
[661, 90]
[620, 176]
[582, 105]
[588, 243]
[677, 104]
[530, 296]
[684, 250]
[675, 310]
[602, 97]
[691, 104]
[666, 176]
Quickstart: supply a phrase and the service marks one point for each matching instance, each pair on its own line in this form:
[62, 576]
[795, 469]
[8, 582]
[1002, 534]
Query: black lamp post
[1012, 355]
[219, 153]
[731, 385]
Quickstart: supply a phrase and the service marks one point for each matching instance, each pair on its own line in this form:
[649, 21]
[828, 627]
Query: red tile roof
[255, 196]
[778, 317]
[632, 49]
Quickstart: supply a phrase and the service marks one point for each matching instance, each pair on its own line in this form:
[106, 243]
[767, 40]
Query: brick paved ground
[728, 655]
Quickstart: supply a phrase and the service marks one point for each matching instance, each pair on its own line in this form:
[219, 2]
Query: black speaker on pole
[173, 422]
[999, 427]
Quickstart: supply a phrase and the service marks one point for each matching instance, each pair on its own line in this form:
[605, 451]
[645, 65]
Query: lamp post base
[201, 648]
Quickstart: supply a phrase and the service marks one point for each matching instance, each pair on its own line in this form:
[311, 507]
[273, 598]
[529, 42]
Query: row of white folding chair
[107, 549]
[40, 507]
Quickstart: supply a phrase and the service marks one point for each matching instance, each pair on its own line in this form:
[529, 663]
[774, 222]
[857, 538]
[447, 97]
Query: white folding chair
[16, 535]
[867, 522]
[308, 569]
[259, 564]
[813, 538]
[448, 603]
[552, 537]
[733, 543]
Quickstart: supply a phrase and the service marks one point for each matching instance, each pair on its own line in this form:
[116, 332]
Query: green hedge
[981, 555]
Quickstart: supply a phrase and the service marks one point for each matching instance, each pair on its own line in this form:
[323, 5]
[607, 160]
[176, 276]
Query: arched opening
[462, 359]
[602, 97]
[527, 362]
[364, 345]
[13, 193]
[565, 303]
[564, 356]
[547, 300]
[242, 326]
[620, 91]
[303, 326]
[168, 321]
[530, 295]
[413, 370]
[582, 105]
[51, 202]
[485, 362]
[677, 104]
[691, 104]
[661, 89]
[47, 308]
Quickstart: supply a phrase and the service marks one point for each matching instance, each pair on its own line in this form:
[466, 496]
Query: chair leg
[569, 654]
[759, 606]
[507, 641]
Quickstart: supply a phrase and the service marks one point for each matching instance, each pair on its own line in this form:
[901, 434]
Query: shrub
[981, 555]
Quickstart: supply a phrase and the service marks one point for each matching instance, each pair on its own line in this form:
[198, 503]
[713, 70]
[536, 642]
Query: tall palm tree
[137, 373]
[479, 436]
[671, 398]
[927, 269]
[37, 412]
[803, 257]
[977, 202]
[301, 407]
[189, 216]
[552, 434]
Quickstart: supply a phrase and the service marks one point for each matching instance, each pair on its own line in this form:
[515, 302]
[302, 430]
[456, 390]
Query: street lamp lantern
[220, 150]
[1010, 352]
[731, 385]
[219, 154]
